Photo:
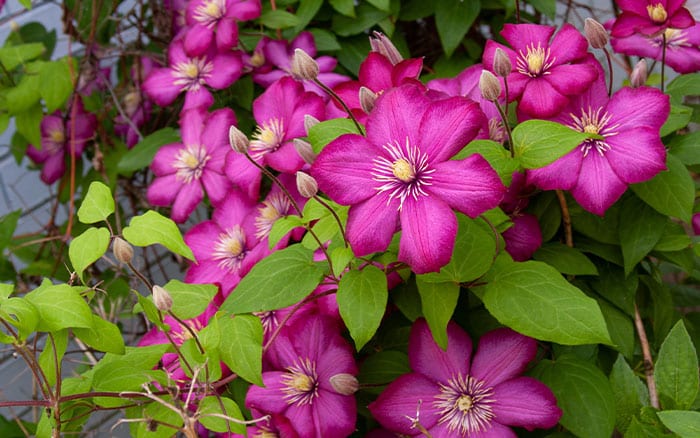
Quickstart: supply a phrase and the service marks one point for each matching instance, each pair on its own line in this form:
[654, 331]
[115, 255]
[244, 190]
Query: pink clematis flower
[190, 73]
[215, 21]
[184, 170]
[61, 138]
[272, 60]
[598, 171]
[401, 175]
[546, 74]
[280, 112]
[650, 17]
[225, 247]
[452, 394]
[311, 363]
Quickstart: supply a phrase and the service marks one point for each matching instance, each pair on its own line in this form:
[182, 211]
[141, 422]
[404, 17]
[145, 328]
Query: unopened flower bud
[304, 67]
[162, 299]
[501, 63]
[489, 86]
[595, 33]
[305, 151]
[307, 185]
[309, 122]
[122, 250]
[344, 383]
[367, 99]
[638, 78]
[14, 27]
[238, 140]
[381, 44]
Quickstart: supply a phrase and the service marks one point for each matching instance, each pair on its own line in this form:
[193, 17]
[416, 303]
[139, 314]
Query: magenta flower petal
[216, 185]
[226, 69]
[406, 395]
[495, 430]
[470, 186]
[520, 35]
[428, 359]
[569, 45]
[561, 174]
[344, 169]
[192, 125]
[525, 402]
[198, 39]
[244, 10]
[243, 174]
[569, 78]
[633, 164]
[371, 224]
[388, 125]
[502, 355]
[375, 72]
[160, 86]
[643, 106]
[187, 199]
[199, 239]
[598, 186]
[447, 126]
[54, 168]
[269, 398]
[422, 251]
[163, 190]
[216, 130]
[524, 237]
[286, 159]
[541, 99]
[198, 99]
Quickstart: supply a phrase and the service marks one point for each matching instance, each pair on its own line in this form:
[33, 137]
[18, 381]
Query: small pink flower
[216, 21]
[650, 17]
[184, 170]
[453, 394]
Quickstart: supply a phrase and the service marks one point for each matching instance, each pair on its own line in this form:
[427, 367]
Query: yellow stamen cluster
[657, 13]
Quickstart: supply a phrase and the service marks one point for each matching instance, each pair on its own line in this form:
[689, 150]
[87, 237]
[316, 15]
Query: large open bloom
[184, 170]
[598, 171]
[311, 362]
[545, 73]
[215, 20]
[650, 17]
[401, 175]
[452, 394]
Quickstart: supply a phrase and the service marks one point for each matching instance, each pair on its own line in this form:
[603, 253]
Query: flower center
[268, 320]
[209, 12]
[190, 163]
[57, 136]
[536, 61]
[192, 74]
[465, 404]
[657, 13]
[674, 38]
[274, 207]
[594, 122]
[497, 131]
[257, 59]
[267, 138]
[229, 249]
[405, 173]
[301, 383]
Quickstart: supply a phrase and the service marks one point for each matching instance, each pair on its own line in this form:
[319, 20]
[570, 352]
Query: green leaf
[678, 118]
[278, 19]
[25, 94]
[323, 133]
[382, 5]
[566, 260]
[362, 297]
[282, 227]
[546, 208]
[497, 156]
[102, 336]
[383, 367]
[87, 248]
[28, 124]
[50, 355]
[686, 148]
[305, 13]
[540, 142]
[60, 306]
[97, 204]
[22, 314]
[141, 155]
[340, 258]
[145, 305]
[55, 83]
[629, 392]
[5, 291]
[583, 393]
[674, 238]
[345, 7]
[533, 299]
[438, 301]
[684, 85]
[283, 278]
[12, 56]
[640, 229]
[453, 19]
[151, 228]
[325, 41]
[686, 424]
[671, 192]
[189, 300]
[8, 224]
[620, 328]
[242, 349]
[474, 251]
[211, 407]
[676, 370]
[366, 16]
[547, 7]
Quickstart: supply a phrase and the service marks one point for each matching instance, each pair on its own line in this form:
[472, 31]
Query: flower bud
[304, 67]
[238, 140]
[14, 27]
[162, 299]
[344, 383]
[304, 150]
[367, 99]
[489, 86]
[595, 33]
[501, 63]
[309, 122]
[307, 185]
[638, 78]
[122, 250]
[383, 45]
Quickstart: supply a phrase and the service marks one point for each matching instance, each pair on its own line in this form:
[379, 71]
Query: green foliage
[143, 152]
[676, 370]
[629, 392]
[151, 228]
[97, 205]
[59, 306]
[671, 192]
[323, 133]
[362, 297]
[242, 350]
[189, 300]
[685, 424]
[211, 407]
[453, 20]
[566, 260]
[438, 303]
[540, 142]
